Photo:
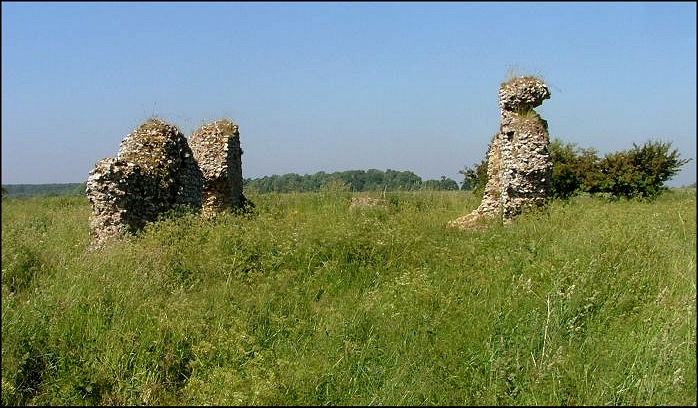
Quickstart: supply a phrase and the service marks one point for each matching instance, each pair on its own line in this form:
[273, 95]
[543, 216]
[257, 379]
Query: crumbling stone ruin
[519, 167]
[363, 202]
[156, 171]
[216, 149]
[162, 153]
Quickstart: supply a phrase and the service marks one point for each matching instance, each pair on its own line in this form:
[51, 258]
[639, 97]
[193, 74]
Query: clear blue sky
[339, 86]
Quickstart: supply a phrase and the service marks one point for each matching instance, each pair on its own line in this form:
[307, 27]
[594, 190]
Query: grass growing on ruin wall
[307, 303]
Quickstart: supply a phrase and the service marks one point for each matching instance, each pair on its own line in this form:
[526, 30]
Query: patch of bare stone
[363, 202]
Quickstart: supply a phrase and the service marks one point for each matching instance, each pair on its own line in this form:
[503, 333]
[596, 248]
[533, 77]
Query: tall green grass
[308, 303]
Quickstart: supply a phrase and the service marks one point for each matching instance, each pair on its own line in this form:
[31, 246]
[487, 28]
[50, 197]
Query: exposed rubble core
[156, 171]
[115, 191]
[216, 149]
[519, 167]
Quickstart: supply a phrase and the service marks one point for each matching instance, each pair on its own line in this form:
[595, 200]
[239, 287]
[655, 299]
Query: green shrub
[639, 172]
[636, 173]
[573, 168]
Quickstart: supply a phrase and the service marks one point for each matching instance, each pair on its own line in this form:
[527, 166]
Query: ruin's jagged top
[522, 94]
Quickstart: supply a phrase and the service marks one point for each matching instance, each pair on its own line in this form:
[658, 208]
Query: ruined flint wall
[519, 167]
[216, 149]
[156, 171]
[164, 157]
[115, 190]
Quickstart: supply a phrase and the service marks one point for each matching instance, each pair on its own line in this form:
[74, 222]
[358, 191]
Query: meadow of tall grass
[589, 302]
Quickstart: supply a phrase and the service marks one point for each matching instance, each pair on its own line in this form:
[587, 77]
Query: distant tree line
[639, 172]
[355, 180]
[36, 190]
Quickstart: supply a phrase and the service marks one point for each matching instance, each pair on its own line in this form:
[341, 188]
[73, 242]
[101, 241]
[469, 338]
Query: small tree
[469, 178]
[474, 178]
[447, 183]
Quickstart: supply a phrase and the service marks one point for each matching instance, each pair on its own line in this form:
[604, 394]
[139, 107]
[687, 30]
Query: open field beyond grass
[590, 302]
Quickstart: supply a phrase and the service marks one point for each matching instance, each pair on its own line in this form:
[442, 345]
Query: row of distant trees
[36, 190]
[354, 180]
[639, 172]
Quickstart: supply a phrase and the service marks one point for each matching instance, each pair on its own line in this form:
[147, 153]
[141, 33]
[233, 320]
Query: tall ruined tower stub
[216, 149]
[156, 171]
[519, 167]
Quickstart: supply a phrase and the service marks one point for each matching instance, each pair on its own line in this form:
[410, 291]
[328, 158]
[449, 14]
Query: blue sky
[339, 86]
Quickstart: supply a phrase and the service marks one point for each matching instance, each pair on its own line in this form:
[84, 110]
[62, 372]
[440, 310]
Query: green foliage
[309, 303]
[43, 190]
[445, 184]
[636, 173]
[475, 177]
[639, 172]
[574, 169]
[469, 178]
[357, 180]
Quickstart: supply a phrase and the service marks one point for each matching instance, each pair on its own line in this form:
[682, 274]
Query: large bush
[639, 172]
[574, 169]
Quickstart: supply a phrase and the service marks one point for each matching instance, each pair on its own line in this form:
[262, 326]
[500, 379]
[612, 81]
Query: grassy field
[308, 303]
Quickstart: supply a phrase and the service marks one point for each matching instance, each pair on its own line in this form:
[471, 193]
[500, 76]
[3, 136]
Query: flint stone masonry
[164, 156]
[519, 167]
[363, 202]
[115, 188]
[156, 171]
[216, 149]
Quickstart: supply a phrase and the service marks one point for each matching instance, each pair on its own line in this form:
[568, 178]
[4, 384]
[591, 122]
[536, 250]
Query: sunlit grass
[309, 303]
